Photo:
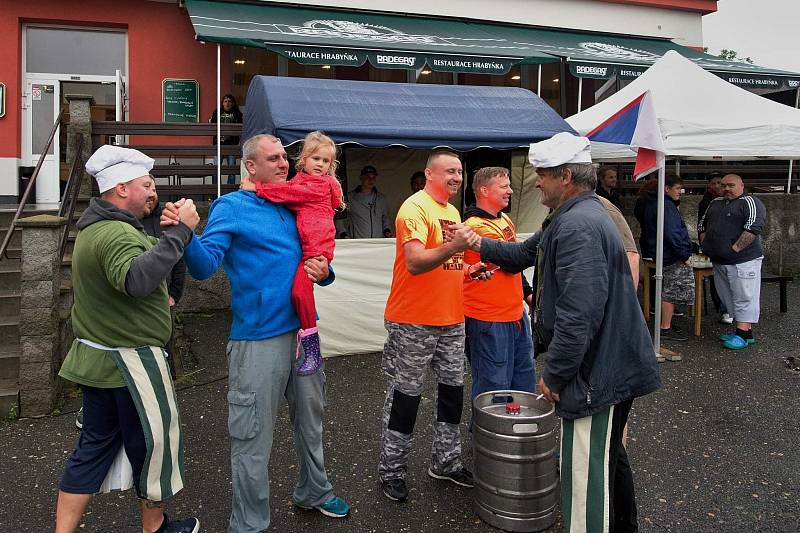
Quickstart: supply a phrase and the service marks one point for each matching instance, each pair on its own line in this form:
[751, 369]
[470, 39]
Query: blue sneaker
[729, 336]
[335, 507]
[737, 343]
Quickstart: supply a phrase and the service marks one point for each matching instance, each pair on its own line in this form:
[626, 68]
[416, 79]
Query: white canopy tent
[701, 116]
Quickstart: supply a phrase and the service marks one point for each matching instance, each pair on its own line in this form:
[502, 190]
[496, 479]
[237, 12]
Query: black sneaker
[187, 525]
[673, 334]
[395, 489]
[461, 477]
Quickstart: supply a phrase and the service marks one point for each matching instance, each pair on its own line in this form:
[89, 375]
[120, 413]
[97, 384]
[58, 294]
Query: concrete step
[9, 366]
[9, 302]
[13, 252]
[16, 238]
[9, 330]
[9, 401]
[10, 274]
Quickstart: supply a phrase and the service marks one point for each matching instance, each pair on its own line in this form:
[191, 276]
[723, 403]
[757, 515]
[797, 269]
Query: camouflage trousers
[409, 351]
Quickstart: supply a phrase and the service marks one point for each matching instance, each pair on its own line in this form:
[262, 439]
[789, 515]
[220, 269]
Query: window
[74, 51]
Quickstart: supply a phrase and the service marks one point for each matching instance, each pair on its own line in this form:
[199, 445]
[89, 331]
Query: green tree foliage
[732, 55]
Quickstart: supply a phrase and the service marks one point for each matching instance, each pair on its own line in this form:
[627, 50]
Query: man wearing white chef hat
[121, 321]
[599, 355]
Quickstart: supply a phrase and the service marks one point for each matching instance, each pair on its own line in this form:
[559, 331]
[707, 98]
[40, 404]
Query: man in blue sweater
[256, 242]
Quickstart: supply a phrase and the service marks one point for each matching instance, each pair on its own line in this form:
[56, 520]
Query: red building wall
[161, 45]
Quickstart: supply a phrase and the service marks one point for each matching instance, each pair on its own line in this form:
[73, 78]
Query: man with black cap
[599, 355]
[121, 321]
[367, 214]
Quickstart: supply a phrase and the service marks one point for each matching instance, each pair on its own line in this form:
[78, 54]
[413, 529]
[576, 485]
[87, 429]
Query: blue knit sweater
[256, 243]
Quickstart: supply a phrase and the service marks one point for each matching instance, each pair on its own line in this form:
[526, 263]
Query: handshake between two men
[183, 210]
[462, 237]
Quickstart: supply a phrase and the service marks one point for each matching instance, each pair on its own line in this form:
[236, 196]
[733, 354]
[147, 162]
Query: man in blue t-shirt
[256, 242]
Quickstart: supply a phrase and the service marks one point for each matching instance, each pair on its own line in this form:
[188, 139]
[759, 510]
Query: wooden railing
[202, 154]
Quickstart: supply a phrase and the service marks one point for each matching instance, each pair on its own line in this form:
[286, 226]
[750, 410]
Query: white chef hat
[112, 164]
[560, 149]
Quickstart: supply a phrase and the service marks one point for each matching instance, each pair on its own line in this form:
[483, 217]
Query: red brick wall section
[161, 44]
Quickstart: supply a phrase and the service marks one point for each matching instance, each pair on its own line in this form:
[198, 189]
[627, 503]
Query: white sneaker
[726, 318]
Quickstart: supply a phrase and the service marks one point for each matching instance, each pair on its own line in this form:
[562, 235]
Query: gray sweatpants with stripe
[260, 375]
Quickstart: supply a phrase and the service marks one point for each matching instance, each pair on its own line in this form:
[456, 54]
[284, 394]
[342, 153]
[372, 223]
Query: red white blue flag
[635, 125]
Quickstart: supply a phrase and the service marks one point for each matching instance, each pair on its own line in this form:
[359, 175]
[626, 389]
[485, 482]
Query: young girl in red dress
[313, 195]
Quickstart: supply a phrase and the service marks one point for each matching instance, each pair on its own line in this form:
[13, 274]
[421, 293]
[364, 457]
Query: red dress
[313, 200]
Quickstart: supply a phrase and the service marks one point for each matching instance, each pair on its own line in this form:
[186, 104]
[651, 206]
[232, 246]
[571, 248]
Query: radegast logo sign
[614, 51]
[402, 61]
[586, 70]
[359, 31]
[605, 72]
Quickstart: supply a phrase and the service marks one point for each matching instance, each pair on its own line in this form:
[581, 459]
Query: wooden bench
[782, 282]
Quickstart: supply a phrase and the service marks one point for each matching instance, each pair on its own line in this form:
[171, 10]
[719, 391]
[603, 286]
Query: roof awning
[324, 37]
[462, 117]
[350, 38]
[606, 56]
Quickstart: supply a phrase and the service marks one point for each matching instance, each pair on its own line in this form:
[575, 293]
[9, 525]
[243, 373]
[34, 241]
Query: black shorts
[109, 420]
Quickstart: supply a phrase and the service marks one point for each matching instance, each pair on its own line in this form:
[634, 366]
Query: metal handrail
[71, 193]
[31, 183]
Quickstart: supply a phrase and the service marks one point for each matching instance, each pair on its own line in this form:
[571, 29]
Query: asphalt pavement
[715, 450]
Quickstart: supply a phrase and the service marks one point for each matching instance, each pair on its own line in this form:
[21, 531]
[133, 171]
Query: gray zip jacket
[723, 223]
[599, 348]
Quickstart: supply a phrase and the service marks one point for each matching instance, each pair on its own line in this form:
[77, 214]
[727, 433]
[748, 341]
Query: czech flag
[635, 125]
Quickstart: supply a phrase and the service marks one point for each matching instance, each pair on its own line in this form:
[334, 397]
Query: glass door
[42, 104]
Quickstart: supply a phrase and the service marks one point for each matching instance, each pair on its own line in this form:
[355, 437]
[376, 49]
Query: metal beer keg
[514, 441]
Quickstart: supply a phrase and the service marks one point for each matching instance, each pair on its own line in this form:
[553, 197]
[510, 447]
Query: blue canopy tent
[375, 114]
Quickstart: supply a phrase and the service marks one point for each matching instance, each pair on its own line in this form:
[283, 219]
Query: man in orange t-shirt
[425, 320]
[498, 331]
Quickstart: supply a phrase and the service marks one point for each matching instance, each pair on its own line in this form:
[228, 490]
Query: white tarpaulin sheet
[700, 115]
[351, 309]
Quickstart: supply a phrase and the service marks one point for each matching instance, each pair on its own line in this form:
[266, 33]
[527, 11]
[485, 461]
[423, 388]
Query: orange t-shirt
[500, 298]
[435, 297]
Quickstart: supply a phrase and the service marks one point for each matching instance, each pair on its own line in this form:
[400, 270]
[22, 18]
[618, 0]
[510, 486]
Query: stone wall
[206, 295]
[39, 389]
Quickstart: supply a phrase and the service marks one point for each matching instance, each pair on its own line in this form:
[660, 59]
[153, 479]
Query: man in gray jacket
[367, 212]
[599, 355]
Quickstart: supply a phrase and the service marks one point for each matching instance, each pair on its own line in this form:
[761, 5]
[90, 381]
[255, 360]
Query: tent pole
[580, 93]
[539, 82]
[659, 258]
[219, 121]
[678, 166]
[791, 162]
